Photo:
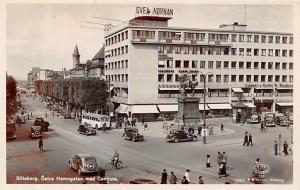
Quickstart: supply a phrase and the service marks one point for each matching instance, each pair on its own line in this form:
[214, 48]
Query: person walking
[222, 127]
[46, 114]
[187, 175]
[275, 147]
[145, 125]
[164, 177]
[173, 178]
[285, 148]
[211, 130]
[41, 145]
[200, 180]
[224, 159]
[219, 158]
[208, 161]
[184, 180]
[250, 140]
[262, 126]
[199, 130]
[133, 122]
[245, 138]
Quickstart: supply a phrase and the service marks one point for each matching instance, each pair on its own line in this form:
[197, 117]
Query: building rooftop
[99, 54]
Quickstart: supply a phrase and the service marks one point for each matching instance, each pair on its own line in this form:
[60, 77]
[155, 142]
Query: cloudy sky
[45, 35]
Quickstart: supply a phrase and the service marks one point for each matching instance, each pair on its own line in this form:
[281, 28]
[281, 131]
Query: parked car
[270, 121]
[83, 163]
[254, 119]
[281, 120]
[41, 122]
[35, 131]
[133, 134]
[86, 129]
[67, 115]
[177, 135]
[290, 117]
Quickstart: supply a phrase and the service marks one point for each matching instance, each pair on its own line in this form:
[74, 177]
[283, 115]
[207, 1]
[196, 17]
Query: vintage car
[132, 134]
[35, 131]
[290, 117]
[254, 119]
[86, 129]
[83, 163]
[41, 122]
[270, 121]
[177, 135]
[281, 120]
[68, 115]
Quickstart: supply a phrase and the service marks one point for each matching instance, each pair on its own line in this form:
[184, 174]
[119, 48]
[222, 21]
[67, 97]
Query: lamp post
[204, 102]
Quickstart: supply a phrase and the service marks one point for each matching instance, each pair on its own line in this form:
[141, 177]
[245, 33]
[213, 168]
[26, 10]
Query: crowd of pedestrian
[173, 178]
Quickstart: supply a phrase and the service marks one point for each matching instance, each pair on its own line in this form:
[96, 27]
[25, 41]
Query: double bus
[97, 121]
[11, 132]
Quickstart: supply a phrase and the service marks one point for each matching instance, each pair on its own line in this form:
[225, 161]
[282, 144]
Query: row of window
[117, 51]
[233, 78]
[169, 49]
[225, 65]
[117, 78]
[116, 38]
[117, 65]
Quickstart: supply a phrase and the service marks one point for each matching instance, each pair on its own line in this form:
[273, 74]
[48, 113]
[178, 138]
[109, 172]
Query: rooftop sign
[160, 12]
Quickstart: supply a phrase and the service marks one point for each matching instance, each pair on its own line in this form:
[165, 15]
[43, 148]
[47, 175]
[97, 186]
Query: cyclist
[115, 159]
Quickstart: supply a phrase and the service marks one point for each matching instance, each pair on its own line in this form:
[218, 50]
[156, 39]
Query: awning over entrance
[170, 89]
[122, 109]
[237, 89]
[219, 106]
[168, 108]
[201, 107]
[285, 104]
[264, 88]
[143, 109]
[284, 88]
[250, 105]
[239, 105]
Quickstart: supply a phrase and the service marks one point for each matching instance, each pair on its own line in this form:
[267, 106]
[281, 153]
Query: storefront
[284, 107]
[263, 105]
[220, 110]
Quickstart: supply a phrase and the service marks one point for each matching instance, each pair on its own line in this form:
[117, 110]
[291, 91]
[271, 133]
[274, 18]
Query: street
[143, 159]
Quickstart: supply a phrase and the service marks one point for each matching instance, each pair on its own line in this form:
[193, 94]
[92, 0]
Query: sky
[45, 35]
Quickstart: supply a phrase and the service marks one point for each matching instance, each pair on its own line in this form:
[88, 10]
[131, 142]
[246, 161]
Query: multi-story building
[145, 57]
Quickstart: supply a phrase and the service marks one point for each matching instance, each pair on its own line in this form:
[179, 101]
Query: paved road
[145, 159]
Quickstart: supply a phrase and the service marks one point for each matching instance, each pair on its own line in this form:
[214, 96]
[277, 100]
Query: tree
[11, 93]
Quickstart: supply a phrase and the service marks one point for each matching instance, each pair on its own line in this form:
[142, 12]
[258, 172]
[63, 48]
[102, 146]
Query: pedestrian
[164, 177]
[285, 148]
[41, 146]
[250, 140]
[208, 161]
[222, 169]
[143, 120]
[219, 158]
[18, 121]
[222, 127]
[211, 130]
[275, 147]
[200, 180]
[145, 125]
[262, 125]
[199, 130]
[28, 116]
[184, 181]
[187, 175]
[173, 178]
[133, 121]
[224, 159]
[245, 138]
[46, 114]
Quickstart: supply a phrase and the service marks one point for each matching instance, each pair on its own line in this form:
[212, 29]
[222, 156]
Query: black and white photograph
[123, 94]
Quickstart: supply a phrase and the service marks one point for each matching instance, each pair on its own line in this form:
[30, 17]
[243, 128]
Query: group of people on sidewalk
[173, 179]
[286, 148]
[222, 163]
[247, 139]
[127, 121]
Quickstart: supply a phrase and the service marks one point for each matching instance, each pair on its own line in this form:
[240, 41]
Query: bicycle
[112, 165]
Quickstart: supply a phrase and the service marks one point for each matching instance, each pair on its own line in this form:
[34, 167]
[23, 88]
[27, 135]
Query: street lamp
[204, 102]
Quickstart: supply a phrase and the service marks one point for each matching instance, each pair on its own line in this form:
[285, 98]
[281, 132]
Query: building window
[186, 49]
[291, 40]
[284, 66]
[177, 64]
[256, 38]
[210, 51]
[160, 78]
[218, 78]
[256, 65]
[202, 64]
[263, 65]
[200, 36]
[186, 64]
[270, 52]
[256, 52]
[255, 78]
[248, 51]
[277, 39]
[233, 78]
[277, 65]
[194, 64]
[241, 38]
[291, 78]
[195, 49]
[284, 40]
[226, 51]
[177, 49]
[218, 51]
[284, 78]
[201, 78]
[248, 78]
[233, 51]
[241, 65]
[210, 64]
[241, 78]
[270, 78]
[291, 66]
[202, 50]
[249, 38]
[277, 78]
[233, 37]
[169, 49]
[277, 52]
[169, 78]
[263, 78]
[263, 39]
[226, 78]
[233, 64]
[248, 65]
[126, 49]
[241, 51]
[161, 64]
[270, 65]
[226, 64]
[218, 64]
[176, 77]
[263, 52]
[194, 77]
[270, 39]
[160, 49]
[284, 53]
[210, 78]
[291, 53]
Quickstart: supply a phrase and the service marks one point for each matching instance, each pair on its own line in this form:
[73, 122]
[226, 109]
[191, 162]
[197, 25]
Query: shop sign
[166, 71]
[188, 71]
[160, 12]
[258, 85]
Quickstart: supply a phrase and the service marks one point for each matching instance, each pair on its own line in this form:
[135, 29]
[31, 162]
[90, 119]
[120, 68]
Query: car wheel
[194, 138]
[79, 171]
[119, 165]
[176, 140]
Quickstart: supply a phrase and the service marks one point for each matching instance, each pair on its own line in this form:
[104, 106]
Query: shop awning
[237, 89]
[264, 88]
[143, 109]
[168, 108]
[201, 107]
[285, 104]
[171, 89]
[284, 88]
[239, 105]
[122, 109]
[110, 89]
[219, 106]
[250, 105]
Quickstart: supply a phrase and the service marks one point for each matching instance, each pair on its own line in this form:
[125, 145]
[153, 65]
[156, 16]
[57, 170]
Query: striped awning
[219, 106]
[122, 109]
[237, 89]
[285, 104]
[168, 108]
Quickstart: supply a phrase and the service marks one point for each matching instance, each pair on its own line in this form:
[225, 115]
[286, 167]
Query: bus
[11, 132]
[97, 121]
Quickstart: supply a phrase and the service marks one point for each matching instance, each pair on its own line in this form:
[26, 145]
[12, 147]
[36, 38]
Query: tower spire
[76, 57]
